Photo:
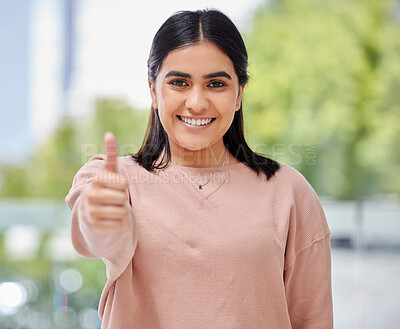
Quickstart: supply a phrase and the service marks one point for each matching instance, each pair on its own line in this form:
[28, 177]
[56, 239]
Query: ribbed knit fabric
[243, 253]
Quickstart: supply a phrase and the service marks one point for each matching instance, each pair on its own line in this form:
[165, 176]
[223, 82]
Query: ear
[239, 98]
[153, 95]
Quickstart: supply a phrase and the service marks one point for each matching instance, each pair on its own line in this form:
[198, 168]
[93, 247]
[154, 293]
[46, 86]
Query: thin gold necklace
[201, 185]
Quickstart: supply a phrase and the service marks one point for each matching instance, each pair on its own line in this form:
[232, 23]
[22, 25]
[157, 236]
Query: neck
[203, 158]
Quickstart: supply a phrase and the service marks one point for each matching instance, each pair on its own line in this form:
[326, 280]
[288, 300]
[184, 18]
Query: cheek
[163, 108]
[166, 111]
[227, 109]
[227, 106]
[168, 100]
[165, 119]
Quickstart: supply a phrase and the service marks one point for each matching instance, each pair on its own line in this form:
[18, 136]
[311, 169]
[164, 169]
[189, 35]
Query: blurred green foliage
[325, 79]
[50, 172]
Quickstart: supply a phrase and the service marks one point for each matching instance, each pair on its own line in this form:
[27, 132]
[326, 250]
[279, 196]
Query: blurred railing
[364, 224]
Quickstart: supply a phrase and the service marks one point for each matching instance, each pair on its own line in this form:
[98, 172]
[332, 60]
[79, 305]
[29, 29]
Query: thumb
[110, 146]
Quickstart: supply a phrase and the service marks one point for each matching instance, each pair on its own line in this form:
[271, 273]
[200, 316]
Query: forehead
[201, 58]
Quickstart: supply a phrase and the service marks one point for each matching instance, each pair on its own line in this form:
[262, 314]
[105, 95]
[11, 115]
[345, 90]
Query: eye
[217, 84]
[178, 83]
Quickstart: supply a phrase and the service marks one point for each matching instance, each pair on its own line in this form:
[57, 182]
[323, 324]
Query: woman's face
[197, 93]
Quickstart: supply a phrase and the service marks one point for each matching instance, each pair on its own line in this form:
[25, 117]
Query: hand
[107, 194]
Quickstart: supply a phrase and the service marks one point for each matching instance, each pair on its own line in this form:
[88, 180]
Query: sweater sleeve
[307, 270]
[114, 246]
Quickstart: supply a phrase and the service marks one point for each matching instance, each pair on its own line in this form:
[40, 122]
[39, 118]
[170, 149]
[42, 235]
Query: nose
[197, 100]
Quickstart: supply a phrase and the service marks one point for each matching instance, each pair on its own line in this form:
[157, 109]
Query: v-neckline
[201, 175]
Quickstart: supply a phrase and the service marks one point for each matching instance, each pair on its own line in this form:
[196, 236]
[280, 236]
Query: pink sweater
[243, 253]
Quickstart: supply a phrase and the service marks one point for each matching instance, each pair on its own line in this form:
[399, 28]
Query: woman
[196, 230]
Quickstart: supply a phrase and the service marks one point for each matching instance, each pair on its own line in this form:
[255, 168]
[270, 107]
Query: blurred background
[323, 97]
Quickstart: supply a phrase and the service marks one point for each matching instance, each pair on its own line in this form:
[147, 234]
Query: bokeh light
[65, 317]
[32, 290]
[38, 320]
[12, 296]
[22, 242]
[69, 281]
[89, 319]
[59, 246]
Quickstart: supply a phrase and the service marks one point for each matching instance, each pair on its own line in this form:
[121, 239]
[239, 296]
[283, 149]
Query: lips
[196, 122]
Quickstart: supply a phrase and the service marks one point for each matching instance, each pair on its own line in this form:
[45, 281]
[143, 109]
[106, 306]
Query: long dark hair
[186, 28]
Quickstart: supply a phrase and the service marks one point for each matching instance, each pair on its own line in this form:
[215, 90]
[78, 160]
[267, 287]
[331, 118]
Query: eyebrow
[207, 76]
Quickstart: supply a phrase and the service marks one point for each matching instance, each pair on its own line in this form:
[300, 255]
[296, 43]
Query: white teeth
[193, 122]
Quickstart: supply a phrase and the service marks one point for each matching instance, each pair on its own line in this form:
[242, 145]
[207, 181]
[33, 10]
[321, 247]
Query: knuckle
[92, 211]
[123, 180]
[96, 180]
[103, 177]
[120, 179]
[111, 178]
[124, 212]
[92, 221]
[114, 179]
[122, 198]
[91, 196]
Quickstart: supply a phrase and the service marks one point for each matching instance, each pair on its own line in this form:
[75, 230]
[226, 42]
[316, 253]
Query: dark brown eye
[216, 84]
[178, 83]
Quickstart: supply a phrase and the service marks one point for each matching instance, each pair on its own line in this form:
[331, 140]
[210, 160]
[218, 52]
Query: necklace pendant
[200, 187]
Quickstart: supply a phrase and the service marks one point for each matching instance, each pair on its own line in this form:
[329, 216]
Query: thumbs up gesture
[107, 194]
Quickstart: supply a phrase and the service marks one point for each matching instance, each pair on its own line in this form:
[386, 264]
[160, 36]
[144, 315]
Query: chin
[195, 146]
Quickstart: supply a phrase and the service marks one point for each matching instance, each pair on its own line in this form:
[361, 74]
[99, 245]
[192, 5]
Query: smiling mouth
[198, 122]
